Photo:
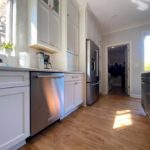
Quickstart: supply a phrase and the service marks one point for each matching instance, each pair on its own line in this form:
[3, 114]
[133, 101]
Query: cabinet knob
[74, 77]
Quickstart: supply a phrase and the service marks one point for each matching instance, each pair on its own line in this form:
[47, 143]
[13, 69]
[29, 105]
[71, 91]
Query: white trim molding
[105, 91]
[125, 28]
[135, 96]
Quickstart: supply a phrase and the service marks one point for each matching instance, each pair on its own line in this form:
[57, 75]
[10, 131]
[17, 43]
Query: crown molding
[126, 28]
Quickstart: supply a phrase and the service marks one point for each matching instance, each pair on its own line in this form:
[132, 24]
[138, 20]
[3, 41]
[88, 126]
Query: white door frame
[129, 62]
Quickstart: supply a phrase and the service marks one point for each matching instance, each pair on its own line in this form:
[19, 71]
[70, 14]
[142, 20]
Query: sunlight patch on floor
[122, 119]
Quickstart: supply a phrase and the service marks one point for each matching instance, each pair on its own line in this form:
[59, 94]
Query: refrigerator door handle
[94, 84]
[97, 63]
[94, 66]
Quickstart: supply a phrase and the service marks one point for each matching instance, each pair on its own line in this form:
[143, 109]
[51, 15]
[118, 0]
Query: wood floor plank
[112, 123]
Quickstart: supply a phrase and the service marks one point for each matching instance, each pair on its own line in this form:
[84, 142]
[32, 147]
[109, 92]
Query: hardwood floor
[117, 91]
[113, 123]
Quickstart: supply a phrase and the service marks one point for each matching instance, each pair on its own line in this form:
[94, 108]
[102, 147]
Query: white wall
[22, 32]
[92, 27]
[134, 36]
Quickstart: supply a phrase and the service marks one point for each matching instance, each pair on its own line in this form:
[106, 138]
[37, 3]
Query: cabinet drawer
[73, 77]
[13, 79]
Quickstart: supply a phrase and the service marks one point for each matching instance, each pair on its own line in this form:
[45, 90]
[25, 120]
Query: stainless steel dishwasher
[47, 97]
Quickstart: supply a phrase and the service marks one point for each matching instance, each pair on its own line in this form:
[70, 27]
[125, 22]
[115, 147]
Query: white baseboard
[136, 96]
[104, 93]
[18, 145]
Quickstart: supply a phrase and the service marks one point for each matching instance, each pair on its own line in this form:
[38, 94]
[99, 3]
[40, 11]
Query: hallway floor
[117, 91]
[113, 123]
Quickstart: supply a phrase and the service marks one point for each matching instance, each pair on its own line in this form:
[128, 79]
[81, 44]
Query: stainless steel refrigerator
[92, 72]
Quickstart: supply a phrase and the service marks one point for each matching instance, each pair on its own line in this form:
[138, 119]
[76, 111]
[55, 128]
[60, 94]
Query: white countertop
[145, 72]
[5, 68]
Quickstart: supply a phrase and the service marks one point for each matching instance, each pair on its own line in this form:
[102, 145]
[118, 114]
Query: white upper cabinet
[73, 28]
[73, 37]
[46, 2]
[56, 6]
[44, 25]
[56, 31]
[73, 12]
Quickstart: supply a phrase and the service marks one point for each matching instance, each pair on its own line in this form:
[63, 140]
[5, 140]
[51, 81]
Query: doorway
[118, 70]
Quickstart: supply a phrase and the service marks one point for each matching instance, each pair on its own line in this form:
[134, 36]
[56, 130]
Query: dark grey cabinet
[146, 93]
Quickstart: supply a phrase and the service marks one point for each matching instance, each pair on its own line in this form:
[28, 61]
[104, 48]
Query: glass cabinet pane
[56, 6]
[45, 1]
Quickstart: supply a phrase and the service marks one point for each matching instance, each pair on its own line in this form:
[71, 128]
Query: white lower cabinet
[78, 92]
[69, 97]
[14, 114]
[73, 93]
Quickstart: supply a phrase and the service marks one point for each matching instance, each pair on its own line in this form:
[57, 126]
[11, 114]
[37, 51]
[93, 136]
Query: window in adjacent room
[6, 12]
[147, 52]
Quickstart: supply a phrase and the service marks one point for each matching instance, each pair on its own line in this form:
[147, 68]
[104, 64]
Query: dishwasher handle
[50, 76]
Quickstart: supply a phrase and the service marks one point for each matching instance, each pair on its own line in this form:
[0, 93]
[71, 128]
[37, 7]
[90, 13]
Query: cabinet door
[73, 28]
[56, 6]
[69, 37]
[14, 116]
[46, 2]
[73, 38]
[78, 93]
[73, 12]
[43, 23]
[69, 97]
[55, 31]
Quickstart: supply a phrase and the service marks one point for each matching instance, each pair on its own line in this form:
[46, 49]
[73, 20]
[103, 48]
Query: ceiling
[115, 15]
